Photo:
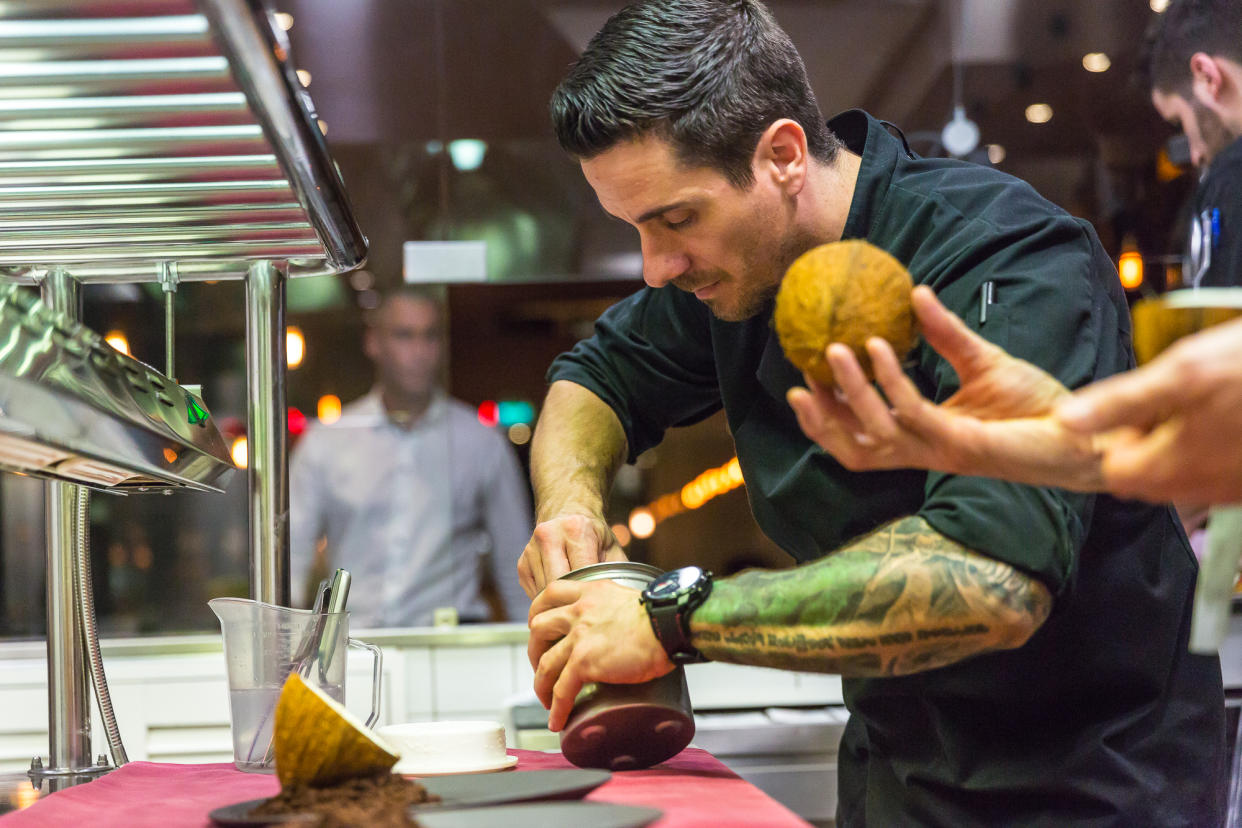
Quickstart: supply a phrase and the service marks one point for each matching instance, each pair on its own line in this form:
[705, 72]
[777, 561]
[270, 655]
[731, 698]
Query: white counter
[170, 693]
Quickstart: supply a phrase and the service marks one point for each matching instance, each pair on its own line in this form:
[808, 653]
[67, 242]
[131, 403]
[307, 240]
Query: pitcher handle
[377, 670]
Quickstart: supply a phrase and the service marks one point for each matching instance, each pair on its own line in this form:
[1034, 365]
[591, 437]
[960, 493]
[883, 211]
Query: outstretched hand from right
[998, 424]
[564, 543]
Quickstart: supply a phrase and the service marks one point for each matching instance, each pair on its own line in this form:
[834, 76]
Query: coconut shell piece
[847, 292]
[318, 742]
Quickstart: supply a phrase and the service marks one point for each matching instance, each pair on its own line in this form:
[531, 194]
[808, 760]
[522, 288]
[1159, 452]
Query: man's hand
[1184, 414]
[998, 424]
[584, 631]
[562, 544]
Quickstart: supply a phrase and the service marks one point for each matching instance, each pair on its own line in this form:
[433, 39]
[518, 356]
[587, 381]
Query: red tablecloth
[693, 789]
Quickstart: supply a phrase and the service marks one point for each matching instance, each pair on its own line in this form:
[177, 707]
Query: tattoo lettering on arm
[900, 600]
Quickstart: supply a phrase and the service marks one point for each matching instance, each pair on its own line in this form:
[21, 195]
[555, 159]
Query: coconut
[318, 742]
[847, 292]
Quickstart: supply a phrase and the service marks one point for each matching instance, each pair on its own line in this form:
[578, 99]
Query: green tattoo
[900, 600]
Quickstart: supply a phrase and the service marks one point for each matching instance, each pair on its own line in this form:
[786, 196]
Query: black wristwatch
[669, 600]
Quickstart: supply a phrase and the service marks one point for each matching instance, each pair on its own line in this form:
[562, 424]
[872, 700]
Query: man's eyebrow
[656, 211]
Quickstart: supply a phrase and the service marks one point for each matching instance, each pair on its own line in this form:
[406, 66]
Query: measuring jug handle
[377, 671]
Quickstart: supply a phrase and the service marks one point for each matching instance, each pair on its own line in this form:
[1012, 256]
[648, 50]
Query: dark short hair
[430, 294]
[1186, 27]
[707, 75]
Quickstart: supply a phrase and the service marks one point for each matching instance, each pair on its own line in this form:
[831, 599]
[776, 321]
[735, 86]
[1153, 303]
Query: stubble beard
[1216, 136]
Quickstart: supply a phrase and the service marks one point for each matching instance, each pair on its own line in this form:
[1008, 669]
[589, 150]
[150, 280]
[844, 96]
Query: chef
[1009, 654]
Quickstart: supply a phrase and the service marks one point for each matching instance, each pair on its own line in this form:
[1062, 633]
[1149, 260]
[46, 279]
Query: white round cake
[429, 748]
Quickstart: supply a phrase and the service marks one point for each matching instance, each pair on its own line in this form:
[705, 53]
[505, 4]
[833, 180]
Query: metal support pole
[68, 697]
[168, 281]
[267, 429]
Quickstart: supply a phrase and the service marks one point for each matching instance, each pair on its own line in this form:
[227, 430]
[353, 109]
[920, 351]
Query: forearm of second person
[578, 445]
[900, 600]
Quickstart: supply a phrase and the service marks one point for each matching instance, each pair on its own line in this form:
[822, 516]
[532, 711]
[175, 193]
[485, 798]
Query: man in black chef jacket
[1195, 62]
[1010, 655]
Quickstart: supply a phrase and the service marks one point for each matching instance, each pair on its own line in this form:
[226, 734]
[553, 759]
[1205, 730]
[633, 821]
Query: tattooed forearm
[900, 600]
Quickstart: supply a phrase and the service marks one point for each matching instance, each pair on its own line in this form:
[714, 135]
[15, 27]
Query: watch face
[671, 583]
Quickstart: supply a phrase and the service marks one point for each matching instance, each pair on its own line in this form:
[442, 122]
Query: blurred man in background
[1195, 64]
[425, 506]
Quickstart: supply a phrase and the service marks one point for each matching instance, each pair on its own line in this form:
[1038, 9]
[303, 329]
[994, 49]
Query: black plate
[543, 815]
[470, 789]
[457, 791]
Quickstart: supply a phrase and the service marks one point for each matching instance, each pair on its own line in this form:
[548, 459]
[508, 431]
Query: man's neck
[405, 410]
[834, 193]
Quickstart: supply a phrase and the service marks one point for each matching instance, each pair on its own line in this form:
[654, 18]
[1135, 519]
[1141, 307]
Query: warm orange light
[1130, 269]
[1096, 62]
[1166, 170]
[642, 523]
[1039, 113]
[24, 795]
[711, 483]
[328, 409]
[240, 452]
[295, 346]
[118, 340]
[170, 455]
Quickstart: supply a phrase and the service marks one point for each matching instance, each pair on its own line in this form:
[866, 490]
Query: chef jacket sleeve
[650, 359]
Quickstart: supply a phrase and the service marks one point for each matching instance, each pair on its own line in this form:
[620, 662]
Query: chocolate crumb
[368, 802]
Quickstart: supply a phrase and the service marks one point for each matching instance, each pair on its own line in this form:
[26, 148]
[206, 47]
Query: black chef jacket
[1103, 717]
[1214, 249]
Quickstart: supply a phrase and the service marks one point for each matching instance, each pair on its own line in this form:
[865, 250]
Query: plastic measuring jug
[263, 643]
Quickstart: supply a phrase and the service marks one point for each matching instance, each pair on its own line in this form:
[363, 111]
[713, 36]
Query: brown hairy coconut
[847, 292]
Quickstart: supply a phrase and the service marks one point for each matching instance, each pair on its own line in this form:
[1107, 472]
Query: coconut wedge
[318, 742]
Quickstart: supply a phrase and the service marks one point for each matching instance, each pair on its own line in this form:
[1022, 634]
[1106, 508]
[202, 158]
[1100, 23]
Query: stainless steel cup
[627, 726]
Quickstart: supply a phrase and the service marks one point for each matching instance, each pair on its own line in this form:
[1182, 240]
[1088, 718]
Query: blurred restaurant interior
[435, 111]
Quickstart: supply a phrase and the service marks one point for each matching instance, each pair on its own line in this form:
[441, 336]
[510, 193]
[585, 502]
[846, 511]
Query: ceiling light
[284, 20]
[467, 153]
[1096, 62]
[1158, 5]
[1039, 113]
[304, 77]
[959, 135]
[996, 153]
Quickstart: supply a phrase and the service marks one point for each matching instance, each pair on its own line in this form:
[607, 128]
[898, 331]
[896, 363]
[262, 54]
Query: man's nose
[662, 262]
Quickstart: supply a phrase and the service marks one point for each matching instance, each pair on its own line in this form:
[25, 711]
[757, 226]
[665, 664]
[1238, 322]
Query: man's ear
[370, 344]
[1207, 79]
[781, 155]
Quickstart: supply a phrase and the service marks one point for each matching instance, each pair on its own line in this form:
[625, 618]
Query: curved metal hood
[73, 408]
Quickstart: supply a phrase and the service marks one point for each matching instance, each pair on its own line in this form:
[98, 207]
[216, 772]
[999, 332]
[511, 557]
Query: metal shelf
[121, 121]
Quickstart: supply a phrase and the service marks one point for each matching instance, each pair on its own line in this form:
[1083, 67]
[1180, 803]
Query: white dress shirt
[413, 514]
